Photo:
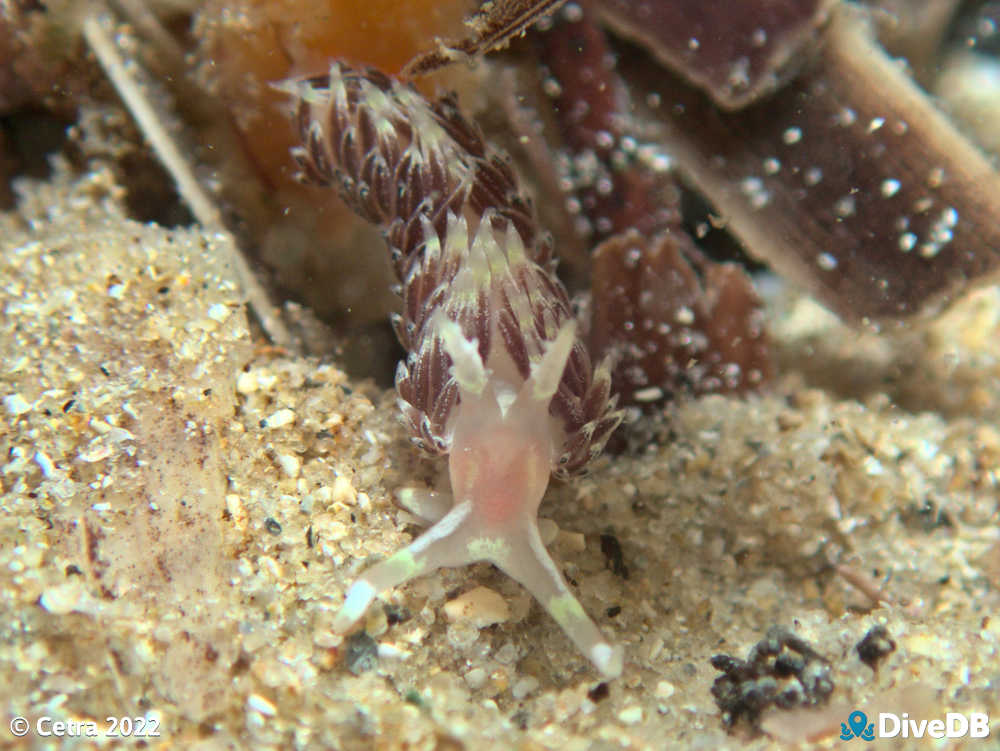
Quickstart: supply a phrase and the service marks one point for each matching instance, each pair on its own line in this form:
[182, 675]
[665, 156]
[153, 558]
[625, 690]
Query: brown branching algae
[672, 319]
[848, 180]
[735, 57]
[670, 332]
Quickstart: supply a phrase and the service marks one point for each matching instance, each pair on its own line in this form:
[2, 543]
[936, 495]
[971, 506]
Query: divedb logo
[889, 725]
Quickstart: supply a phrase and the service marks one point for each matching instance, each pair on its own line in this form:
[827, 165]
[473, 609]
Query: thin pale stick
[202, 207]
[144, 19]
[864, 583]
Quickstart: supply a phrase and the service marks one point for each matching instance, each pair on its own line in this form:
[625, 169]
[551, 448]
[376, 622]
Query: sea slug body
[496, 375]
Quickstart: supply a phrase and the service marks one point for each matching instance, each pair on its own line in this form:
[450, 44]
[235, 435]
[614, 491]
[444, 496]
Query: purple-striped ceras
[496, 375]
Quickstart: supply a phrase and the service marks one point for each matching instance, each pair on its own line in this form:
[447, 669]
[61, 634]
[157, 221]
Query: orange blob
[381, 33]
[313, 243]
[249, 44]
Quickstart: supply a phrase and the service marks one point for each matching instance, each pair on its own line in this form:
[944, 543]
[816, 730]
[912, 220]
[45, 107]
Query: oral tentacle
[446, 544]
[529, 563]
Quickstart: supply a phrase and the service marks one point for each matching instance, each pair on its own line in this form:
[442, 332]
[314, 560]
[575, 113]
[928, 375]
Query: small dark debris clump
[600, 692]
[874, 646]
[360, 652]
[782, 670]
[272, 526]
[612, 550]
[396, 614]
[520, 719]
[926, 517]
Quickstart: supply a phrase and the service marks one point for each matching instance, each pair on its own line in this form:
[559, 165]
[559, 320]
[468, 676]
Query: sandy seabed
[183, 510]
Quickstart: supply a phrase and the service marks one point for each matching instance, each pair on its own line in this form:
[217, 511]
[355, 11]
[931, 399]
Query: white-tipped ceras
[496, 376]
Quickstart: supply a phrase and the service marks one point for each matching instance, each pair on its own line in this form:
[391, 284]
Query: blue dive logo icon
[857, 727]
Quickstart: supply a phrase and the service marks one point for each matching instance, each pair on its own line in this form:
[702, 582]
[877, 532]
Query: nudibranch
[496, 375]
